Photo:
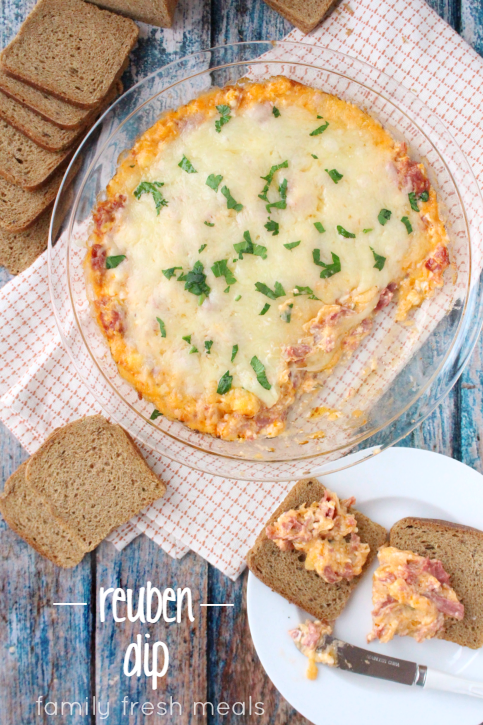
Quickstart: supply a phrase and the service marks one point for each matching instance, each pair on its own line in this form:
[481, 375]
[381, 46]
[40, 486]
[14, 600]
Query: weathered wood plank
[472, 23]
[45, 650]
[449, 10]
[40, 644]
[143, 560]
[235, 672]
[240, 20]
[185, 680]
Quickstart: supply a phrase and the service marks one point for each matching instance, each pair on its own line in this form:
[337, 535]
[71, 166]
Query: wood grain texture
[66, 653]
[185, 680]
[41, 644]
[235, 673]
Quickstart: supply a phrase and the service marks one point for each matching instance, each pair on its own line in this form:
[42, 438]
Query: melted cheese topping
[196, 226]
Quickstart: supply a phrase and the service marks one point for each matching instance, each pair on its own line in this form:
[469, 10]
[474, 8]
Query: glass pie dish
[398, 374]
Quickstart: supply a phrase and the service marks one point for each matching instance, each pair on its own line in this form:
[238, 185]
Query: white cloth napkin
[220, 518]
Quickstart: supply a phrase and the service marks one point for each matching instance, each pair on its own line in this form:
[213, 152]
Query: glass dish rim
[412, 98]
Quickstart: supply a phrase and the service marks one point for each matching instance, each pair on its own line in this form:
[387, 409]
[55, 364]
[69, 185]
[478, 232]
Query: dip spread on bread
[307, 638]
[326, 532]
[412, 597]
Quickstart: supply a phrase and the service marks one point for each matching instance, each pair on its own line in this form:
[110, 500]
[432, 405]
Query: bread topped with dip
[315, 549]
[453, 554]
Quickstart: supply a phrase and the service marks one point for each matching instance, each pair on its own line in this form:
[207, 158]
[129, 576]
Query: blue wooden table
[66, 653]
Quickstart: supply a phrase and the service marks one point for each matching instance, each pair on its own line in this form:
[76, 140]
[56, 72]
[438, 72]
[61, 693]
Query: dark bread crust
[304, 14]
[285, 572]
[460, 550]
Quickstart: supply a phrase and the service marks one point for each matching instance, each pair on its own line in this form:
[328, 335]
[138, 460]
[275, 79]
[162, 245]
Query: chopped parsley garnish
[298, 290]
[193, 349]
[328, 269]
[115, 261]
[320, 227]
[259, 369]
[384, 216]
[208, 344]
[291, 245]
[162, 327]
[272, 226]
[209, 224]
[334, 175]
[224, 384]
[196, 282]
[407, 224]
[203, 246]
[366, 231]
[155, 414]
[287, 313]
[320, 129]
[269, 178]
[314, 156]
[220, 269]
[187, 338]
[275, 112]
[265, 308]
[214, 182]
[230, 201]
[413, 201]
[168, 273]
[278, 290]
[247, 247]
[237, 298]
[227, 289]
[187, 166]
[234, 351]
[148, 187]
[380, 261]
[282, 204]
[344, 233]
[424, 196]
[224, 112]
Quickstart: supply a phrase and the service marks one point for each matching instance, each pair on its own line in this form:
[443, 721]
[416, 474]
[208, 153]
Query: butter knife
[364, 662]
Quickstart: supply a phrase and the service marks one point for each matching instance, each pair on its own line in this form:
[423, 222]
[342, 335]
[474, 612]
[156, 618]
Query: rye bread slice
[20, 209]
[284, 571]
[71, 49]
[44, 133]
[18, 250]
[154, 12]
[93, 478]
[62, 114]
[304, 14]
[32, 520]
[460, 550]
[24, 163]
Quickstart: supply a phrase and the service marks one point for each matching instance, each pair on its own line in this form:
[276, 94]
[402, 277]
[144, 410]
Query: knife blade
[364, 662]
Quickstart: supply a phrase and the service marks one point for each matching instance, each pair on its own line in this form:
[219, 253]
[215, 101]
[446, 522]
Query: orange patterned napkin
[39, 391]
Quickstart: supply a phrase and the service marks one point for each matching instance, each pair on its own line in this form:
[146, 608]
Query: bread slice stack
[57, 76]
[85, 480]
[285, 572]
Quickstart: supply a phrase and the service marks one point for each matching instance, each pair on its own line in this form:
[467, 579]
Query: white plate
[397, 483]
